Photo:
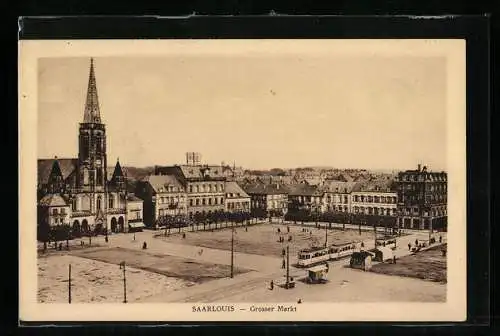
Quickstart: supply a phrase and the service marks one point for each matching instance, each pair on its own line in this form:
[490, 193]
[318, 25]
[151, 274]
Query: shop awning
[136, 225]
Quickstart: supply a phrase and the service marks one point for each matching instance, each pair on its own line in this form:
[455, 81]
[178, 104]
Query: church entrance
[121, 224]
[76, 230]
[98, 228]
[113, 225]
[85, 226]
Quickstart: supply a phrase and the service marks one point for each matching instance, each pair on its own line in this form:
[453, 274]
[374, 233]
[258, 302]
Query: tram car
[312, 256]
[340, 251]
[389, 242]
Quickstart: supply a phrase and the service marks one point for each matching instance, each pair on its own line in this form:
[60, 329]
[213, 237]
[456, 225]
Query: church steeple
[92, 113]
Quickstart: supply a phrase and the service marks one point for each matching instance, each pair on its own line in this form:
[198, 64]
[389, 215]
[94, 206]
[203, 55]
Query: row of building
[80, 193]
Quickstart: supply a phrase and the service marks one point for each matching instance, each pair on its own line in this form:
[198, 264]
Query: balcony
[81, 213]
[115, 211]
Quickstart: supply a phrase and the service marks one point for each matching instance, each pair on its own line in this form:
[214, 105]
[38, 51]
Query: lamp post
[122, 266]
[232, 250]
[69, 284]
[287, 266]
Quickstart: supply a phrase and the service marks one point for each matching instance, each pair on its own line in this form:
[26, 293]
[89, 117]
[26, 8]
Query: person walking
[283, 264]
[409, 246]
[271, 285]
[440, 239]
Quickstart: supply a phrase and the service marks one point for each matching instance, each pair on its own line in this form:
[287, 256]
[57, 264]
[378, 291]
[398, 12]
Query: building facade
[163, 195]
[422, 199]
[337, 195]
[305, 197]
[268, 198]
[135, 213]
[204, 185]
[376, 197]
[94, 201]
[236, 200]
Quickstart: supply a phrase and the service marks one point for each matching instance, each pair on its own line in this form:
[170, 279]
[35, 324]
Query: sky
[258, 111]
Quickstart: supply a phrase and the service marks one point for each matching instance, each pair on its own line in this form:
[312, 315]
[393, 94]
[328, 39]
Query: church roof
[67, 166]
[52, 200]
[92, 113]
[339, 186]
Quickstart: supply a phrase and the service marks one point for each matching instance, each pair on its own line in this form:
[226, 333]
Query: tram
[316, 255]
[340, 251]
[312, 256]
[389, 242]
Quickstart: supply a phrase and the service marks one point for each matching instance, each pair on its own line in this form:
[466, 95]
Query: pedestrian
[299, 301]
[106, 239]
[272, 285]
[246, 229]
[283, 252]
[394, 259]
[362, 244]
[416, 242]
[134, 236]
[183, 235]
[82, 243]
[440, 239]
[288, 229]
[279, 231]
[60, 246]
[283, 264]
[409, 246]
[144, 246]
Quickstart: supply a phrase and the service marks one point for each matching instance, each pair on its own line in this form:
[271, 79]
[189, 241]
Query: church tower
[92, 160]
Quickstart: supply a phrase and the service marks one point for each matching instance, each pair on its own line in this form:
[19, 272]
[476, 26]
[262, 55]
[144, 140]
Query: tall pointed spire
[92, 113]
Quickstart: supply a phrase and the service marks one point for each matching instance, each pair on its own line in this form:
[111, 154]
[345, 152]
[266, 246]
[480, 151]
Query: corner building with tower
[78, 191]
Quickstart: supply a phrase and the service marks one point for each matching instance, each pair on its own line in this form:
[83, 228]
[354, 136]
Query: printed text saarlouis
[212, 309]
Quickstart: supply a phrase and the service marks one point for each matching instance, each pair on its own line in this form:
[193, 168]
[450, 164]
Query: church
[78, 192]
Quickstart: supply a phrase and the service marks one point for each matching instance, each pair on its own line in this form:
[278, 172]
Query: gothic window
[85, 177]
[99, 203]
[73, 204]
[111, 202]
[197, 189]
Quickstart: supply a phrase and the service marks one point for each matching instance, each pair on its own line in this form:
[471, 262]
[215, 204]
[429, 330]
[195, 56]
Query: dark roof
[266, 189]
[305, 190]
[380, 185]
[67, 166]
[339, 186]
[51, 200]
[133, 198]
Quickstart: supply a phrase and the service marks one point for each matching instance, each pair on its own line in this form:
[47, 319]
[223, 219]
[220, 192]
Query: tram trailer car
[311, 256]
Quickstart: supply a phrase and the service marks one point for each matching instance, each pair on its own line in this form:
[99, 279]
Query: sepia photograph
[243, 180]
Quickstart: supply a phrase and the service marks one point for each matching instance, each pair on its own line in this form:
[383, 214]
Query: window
[98, 203]
[203, 201]
[215, 201]
[209, 201]
[197, 201]
[111, 202]
[210, 188]
[190, 188]
[190, 202]
[73, 204]
[221, 201]
[197, 189]
[63, 211]
[54, 212]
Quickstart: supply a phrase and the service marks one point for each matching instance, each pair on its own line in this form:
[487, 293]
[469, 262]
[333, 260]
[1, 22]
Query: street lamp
[122, 266]
[232, 250]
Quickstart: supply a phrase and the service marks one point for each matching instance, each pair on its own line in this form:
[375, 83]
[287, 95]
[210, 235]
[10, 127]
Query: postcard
[242, 180]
